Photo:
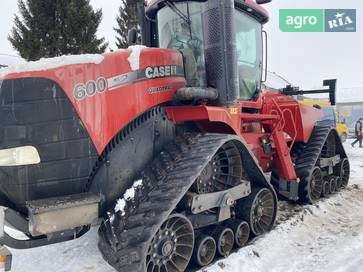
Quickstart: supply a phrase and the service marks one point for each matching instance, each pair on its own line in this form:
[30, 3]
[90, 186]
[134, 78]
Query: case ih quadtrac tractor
[166, 146]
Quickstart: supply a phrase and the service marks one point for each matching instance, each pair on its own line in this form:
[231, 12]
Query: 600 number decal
[89, 89]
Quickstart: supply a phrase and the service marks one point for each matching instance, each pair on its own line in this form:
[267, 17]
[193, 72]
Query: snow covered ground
[327, 236]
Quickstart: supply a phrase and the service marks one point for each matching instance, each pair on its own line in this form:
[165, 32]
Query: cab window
[249, 54]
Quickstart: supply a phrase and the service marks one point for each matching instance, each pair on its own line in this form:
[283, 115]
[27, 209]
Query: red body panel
[279, 117]
[129, 93]
[104, 114]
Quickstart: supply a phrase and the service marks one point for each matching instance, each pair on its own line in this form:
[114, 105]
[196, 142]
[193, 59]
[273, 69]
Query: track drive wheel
[172, 246]
[204, 250]
[312, 187]
[258, 210]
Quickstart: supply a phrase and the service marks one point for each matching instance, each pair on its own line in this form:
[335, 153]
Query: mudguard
[128, 154]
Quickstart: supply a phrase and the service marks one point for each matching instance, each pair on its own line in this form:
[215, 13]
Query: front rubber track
[125, 236]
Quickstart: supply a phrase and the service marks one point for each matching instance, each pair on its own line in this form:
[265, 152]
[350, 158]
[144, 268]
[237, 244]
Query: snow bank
[314, 238]
[319, 238]
[134, 58]
[51, 63]
[356, 163]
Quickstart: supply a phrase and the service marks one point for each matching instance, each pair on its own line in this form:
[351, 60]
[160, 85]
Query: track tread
[308, 158]
[165, 182]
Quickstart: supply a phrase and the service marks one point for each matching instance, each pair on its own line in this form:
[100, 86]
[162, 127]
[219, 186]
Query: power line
[8, 55]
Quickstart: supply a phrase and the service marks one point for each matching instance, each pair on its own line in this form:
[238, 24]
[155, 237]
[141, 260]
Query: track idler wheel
[312, 187]
[344, 173]
[204, 250]
[326, 187]
[224, 238]
[332, 185]
[258, 210]
[241, 231]
[172, 246]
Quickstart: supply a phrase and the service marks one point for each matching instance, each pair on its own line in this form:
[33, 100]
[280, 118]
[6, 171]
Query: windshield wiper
[172, 6]
[185, 18]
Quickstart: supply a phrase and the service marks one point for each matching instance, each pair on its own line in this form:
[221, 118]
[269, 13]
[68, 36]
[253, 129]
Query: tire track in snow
[323, 237]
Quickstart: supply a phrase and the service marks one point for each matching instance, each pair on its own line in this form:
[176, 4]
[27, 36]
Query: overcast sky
[304, 59]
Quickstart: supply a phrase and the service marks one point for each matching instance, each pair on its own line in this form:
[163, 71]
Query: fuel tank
[69, 108]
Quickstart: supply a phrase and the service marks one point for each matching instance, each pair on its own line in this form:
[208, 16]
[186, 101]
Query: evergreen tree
[52, 28]
[126, 20]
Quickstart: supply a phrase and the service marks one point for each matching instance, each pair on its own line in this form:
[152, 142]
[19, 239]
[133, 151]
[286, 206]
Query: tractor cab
[221, 42]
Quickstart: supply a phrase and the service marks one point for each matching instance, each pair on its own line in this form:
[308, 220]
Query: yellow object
[311, 102]
[5, 259]
[343, 131]
[233, 111]
[341, 127]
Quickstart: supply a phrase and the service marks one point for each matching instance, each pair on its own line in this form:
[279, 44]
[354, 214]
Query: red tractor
[167, 146]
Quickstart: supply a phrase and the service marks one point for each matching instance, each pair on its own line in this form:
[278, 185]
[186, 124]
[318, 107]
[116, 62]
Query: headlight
[24, 155]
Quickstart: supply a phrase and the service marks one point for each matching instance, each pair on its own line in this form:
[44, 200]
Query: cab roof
[250, 6]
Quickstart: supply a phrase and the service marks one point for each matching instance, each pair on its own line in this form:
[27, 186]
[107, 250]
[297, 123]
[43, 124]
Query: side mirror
[132, 36]
[261, 2]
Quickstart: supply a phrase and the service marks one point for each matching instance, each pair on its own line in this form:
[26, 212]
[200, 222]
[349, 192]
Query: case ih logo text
[318, 20]
[161, 71]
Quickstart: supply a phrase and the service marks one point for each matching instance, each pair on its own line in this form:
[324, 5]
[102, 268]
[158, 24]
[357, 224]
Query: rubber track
[124, 238]
[309, 156]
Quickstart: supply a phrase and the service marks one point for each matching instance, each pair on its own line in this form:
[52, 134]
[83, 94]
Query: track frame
[125, 235]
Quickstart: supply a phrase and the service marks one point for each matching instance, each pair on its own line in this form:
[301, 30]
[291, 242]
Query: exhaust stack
[220, 49]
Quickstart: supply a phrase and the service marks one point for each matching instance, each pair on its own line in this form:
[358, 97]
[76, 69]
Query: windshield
[249, 54]
[177, 33]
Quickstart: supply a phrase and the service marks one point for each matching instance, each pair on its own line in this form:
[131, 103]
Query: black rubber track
[125, 237]
[310, 154]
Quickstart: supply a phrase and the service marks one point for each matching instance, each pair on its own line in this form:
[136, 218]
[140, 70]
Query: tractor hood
[123, 84]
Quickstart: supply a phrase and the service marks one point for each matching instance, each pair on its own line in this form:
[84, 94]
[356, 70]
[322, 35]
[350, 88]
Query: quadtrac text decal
[101, 84]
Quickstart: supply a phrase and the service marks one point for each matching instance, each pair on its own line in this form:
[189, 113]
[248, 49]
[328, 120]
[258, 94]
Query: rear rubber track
[125, 235]
[309, 156]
